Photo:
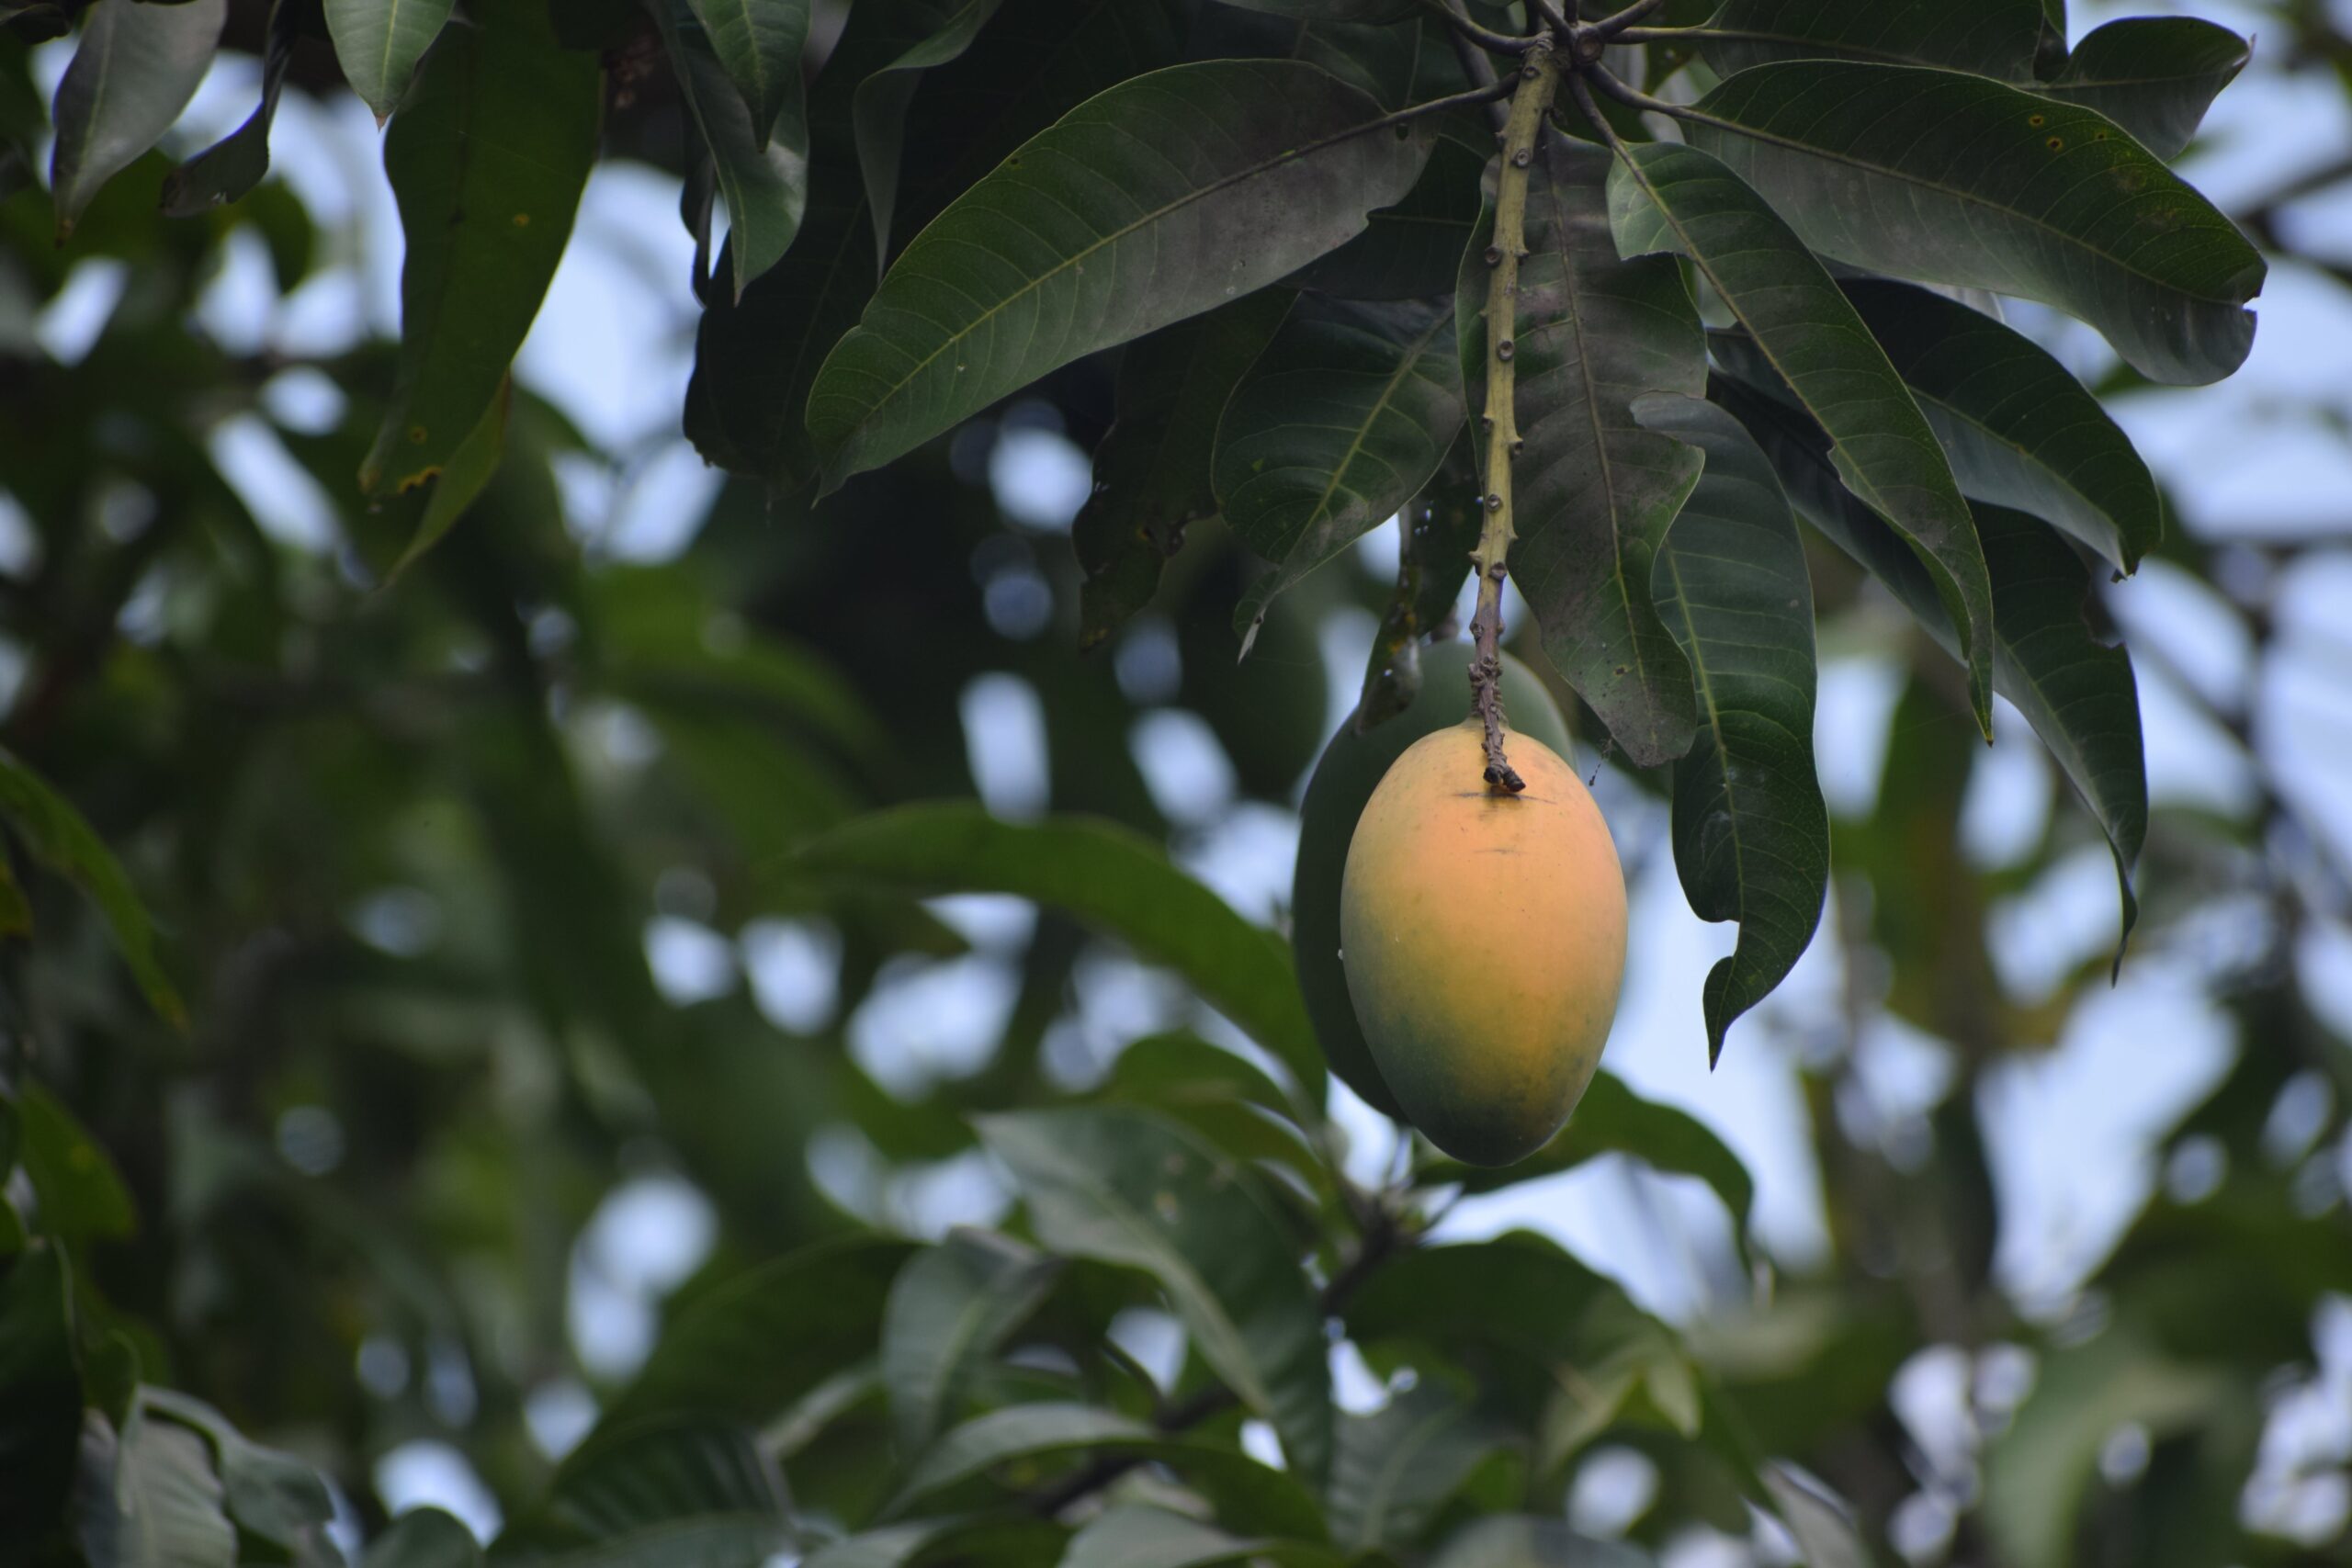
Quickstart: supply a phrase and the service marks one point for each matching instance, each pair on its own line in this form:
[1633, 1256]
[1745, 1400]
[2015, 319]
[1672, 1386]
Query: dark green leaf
[1105, 875]
[1752, 835]
[1988, 186]
[1992, 38]
[969, 1542]
[60, 839]
[233, 165]
[880, 109]
[1396, 1467]
[270, 1494]
[1595, 490]
[424, 1538]
[1343, 418]
[625, 1482]
[1505, 1540]
[949, 1309]
[1122, 1187]
[1136, 1536]
[486, 158]
[2076, 690]
[81, 1193]
[758, 44]
[151, 1501]
[1168, 194]
[379, 42]
[471, 467]
[1152, 470]
[40, 1397]
[1333, 10]
[2155, 77]
[2018, 428]
[761, 166]
[135, 68]
[1410, 251]
[15, 911]
[1664, 197]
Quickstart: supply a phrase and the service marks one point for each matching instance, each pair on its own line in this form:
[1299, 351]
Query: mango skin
[1484, 941]
[1351, 768]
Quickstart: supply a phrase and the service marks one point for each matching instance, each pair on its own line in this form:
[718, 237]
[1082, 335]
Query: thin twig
[1478, 33]
[1612, 27]
[1480, 72]
[1633, 98]
[1539, 78]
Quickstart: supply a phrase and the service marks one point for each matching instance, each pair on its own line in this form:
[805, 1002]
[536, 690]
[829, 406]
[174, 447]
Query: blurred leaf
[1665, 197]
[1993, 187]
[2018, 428]
[1396, 1467]
[1108, 877]
[1410, 251]
[760, 158]
[1152, 467]
[1515, 1542]
[1991, 38]
[230, 167]
[486, 157]
[150, 1500]
[471, 467]
[1751, 834]
[625, 1485]
[379, 42]
[16, 912]
[1228, 1100]
[40, 1397]
[1135, 1536]
[133, 71]
[60, 839]
[269, 1493]
[1595, 490]
[1125, 1187]
[1825, 1529]
[1366, 11]
[1018, 1432]
[1339, 423]
[2153, 75]
[979, 1542]
[950, 1308]
[758, 44]
[82, 1194]
[880, 109]
[1199, 154]
[424, 1538]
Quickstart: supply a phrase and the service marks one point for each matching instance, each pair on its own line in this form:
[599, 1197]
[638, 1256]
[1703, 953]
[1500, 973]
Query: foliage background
[514, 1020]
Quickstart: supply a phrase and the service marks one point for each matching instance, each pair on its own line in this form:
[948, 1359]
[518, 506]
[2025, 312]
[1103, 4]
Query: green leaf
[1410, 251]
[230, 167]
[1122, 1187]
[981, 1542]
[1152, 470]
[747, 1348]
[486, 158]
[1108, 876]
[626, 1483]
[2018, 428]
[62, 840]
[40, 1397]
[1751, 834]
[1824, 1528]
[1991, 38]
[81, 1192]
[758, 44]
[1595, 490]
[379, 42]
[270, 1494]
[133, 71]
[1344, 417]
[1511, 1541]
[424, 1538]
[1137, 1536]
[151, 1500]
[2077, 691]
[471, 467]
[2155, 76]
[949, 1310]
[762, 164]
[878, 112]
[1396, 1467]
[1156, 201]
[1989, 187]
[1664, 197]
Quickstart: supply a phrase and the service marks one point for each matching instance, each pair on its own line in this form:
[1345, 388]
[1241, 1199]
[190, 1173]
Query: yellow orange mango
[1482, 935]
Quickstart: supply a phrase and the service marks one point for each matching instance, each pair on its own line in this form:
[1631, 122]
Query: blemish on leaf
[522, 220]
[2037, 121]
[2055, 143]
[416, 433]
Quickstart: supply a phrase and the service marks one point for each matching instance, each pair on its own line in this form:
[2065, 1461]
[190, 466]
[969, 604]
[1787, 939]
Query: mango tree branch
[1538, 79]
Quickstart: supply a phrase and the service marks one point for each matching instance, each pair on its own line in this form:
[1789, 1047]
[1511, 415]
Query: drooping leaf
[2155, 76]
[1341, 422]
[1396, 1467]
[878, 112]
[133, 71]
[761, 166]
[270, 1494]
[757, 44]
[81, 1193]
[1412, 250]
[230, 167]
[486, 157]
[150, 1500]
[1225, 1099]
[1139, 1535]
[471, 467]
[949, 1310]
[40, 1397]
[379, 42]
[1108, 876]
[1122, 1187]
[2018, 428]
[1595, 490]
[424, 1538]
[1950, 178]
[1664, 197]
[628, 1481]
[1516, 1540]
[2077, 691]
[1992, 38]
[1751, 834]
[62, 840]
[1158, 199]
[1152, 470]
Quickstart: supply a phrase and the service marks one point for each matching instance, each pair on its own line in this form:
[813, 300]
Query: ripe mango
[1351, 768]
[1482, 935]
